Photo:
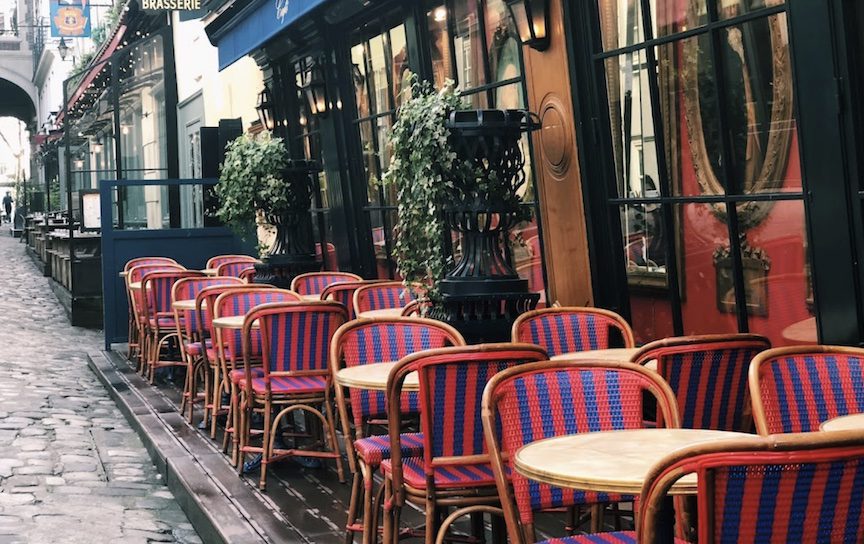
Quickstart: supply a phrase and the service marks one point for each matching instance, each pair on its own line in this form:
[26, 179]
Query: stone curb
[218, 504]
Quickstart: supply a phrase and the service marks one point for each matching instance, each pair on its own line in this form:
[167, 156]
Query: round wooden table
[611, 461]
[123, 273]
[851, 422]
[316, 296]
[185, 304]
[135, 285]
[232, 322]
[386, 312]
[373, 377]
[802, 332]
[210, 271]
[611, 354]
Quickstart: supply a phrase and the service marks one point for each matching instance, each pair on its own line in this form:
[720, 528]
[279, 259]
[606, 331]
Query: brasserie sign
[170, 5]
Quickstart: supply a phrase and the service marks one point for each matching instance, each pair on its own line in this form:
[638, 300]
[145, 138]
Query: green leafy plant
[421, 170]
[251, 180]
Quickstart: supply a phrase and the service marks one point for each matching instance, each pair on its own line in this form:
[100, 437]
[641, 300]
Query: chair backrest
[295, 338]
[247, 275]
[214, 262]
[417, 308]
[565, 329]
[157, 287]
[554, 398]
[205, 300]
[379, 341]
[381, 296]
[136, 273]
[235, 269]
[795, 389]
[708, 375]
[314, 283]
[783, 488]
[451, 388]
[188, 289]
[343, 292]
[138, 261]
[240, 302]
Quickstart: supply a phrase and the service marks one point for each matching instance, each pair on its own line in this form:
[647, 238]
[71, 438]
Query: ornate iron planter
[293, 250]
[482, 295]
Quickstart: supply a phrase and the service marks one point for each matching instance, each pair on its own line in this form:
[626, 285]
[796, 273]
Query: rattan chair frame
[137, 338]
[333, 287]
[229, 257]
[624, 327]
[358, 294]
[659, 389]
[298, 279]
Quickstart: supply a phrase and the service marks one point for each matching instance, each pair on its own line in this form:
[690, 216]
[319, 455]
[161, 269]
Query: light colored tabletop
[135, 285]
[123, 274]
[232, 322]
[802, 332]
[316, 296]
[611, 461]
[851, 422]
[210, 271]
[386, 312]
[373, 377]
[184, 304]
[611, 354]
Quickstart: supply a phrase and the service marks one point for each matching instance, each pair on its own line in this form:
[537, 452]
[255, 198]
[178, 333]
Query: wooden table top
[850, 422]
[802, 332]
[210, 271]
[135, 285]
[315, 296]
[611, 354]
[386, 312]
[611, 461]
[232, 322]
[373, 377]
[123, 273]
[184, 304]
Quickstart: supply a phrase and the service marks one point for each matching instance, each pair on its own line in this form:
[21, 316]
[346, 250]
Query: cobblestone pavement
[71, 468]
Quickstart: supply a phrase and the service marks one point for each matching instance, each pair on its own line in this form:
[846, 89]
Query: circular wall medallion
[555, 137]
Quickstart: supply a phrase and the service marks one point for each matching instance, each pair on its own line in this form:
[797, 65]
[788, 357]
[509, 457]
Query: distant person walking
[7, 205]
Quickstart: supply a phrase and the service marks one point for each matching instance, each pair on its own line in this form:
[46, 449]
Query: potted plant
[257, 177]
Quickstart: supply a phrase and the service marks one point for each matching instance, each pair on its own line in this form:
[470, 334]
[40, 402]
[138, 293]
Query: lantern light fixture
[532, 22]
[265, 108]
[63, 49]
[316, 90]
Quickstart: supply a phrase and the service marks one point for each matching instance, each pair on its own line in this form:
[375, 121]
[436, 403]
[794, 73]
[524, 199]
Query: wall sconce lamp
[78, 163]
[63, 49]
[265, 108]
[316, 90]
[532, 22]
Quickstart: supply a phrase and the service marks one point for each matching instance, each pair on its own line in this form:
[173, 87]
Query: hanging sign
[170, 5]
[70, 19]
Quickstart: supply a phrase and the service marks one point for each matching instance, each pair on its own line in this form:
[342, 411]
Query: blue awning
[257, 24]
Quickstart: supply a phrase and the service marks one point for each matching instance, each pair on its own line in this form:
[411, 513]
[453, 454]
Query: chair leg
[266, 446]
[370, 525]
[334, 441]
[431, 521]
[208, 393]
[391, 514]
[229, 438]
[477, 529]
[217, 401]
[350, 526]
[596, 518]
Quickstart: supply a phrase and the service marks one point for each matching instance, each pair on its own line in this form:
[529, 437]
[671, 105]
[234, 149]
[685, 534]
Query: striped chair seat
[237, 376]
[165, 322]
[212, 353]
[375, 449]
[446, 477]
[290, 384]
[194, 348]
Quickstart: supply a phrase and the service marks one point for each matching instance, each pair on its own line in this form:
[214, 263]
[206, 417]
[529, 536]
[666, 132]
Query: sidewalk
[71, 468]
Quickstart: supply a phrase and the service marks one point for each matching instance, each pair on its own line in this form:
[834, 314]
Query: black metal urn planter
[482, 294]
[293, 249]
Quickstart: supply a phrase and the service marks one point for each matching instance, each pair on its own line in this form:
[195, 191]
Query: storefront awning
[256, 24]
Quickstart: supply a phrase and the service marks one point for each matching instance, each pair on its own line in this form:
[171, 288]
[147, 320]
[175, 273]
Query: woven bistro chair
[708, 375]
[795, 389]
[294, 342]
[248, 275]
[314, 283]
[566, 329]
[555, 398]
[161, 325]
[382, 296]
[343, 292]
[136, 306]
[214, 262]
[454, 469]
[132, 335]
[229, 348]
[235, 269]
[375, 341]
[193, 337]
[802, 487]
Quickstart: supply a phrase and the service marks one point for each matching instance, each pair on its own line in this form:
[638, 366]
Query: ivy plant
[250, 180]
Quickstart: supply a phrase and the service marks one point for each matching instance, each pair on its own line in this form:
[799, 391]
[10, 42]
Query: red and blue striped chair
[214, 262]
[797, 388]
[383, 295]
[295, 341]
[192, 333]
[554, 398]
[343, 293]
[708, 375]
[235, 269]
[455, 466]
[134, 274]
[314, 283]
[567, 329]
[229, 350]
[376, 341]
[160, 323]
[806, 487]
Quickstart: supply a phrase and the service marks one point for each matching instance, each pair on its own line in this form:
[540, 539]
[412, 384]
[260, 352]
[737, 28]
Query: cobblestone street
[71, 468]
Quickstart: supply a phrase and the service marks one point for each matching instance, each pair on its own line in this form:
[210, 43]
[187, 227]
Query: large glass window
[704, 166]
